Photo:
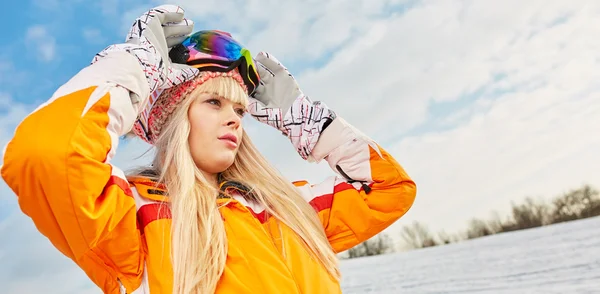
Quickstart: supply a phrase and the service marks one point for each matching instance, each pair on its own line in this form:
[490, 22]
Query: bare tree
[356, 251]
[575, 204]
[445, 238]
[417, 235]
[591, 198]
[478, 228]
[495, 224]
[379, 244]
[530, 214]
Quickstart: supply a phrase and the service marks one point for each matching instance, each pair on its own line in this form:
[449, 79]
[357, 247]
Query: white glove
[149, 40]
[279, 102]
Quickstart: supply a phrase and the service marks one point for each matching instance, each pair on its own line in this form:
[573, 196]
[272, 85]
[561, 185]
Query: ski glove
[279, 102]
[149, 40]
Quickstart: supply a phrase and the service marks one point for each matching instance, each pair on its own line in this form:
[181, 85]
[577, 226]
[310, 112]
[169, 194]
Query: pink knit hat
[162, 104]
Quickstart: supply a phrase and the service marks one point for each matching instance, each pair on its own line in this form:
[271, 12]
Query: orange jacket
[58, 164]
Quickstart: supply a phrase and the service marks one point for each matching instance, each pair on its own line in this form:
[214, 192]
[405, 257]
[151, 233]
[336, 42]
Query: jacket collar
[151, 189]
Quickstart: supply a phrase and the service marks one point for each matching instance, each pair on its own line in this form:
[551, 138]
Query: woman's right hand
[149, 40]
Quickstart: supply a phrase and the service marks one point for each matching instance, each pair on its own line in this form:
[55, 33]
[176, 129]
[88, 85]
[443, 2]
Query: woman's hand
[279, 102]
[149, 40]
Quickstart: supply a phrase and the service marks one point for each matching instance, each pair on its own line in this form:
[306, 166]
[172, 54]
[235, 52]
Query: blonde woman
[210, 215]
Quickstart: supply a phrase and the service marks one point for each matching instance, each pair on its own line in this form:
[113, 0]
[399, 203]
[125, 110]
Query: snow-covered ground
[562, 258]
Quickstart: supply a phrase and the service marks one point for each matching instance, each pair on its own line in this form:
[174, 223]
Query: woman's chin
[217, 164]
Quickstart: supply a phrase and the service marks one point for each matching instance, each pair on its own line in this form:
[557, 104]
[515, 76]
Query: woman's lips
[229, 139]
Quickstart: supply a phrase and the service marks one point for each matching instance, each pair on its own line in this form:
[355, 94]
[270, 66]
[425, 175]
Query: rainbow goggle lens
[213, 50]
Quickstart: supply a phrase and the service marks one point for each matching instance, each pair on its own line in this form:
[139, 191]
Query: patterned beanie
[161, 105]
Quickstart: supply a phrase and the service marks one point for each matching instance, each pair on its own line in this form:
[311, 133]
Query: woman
[210, 214]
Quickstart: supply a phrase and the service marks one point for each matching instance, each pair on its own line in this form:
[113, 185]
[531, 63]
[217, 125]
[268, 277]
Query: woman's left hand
[279, 102]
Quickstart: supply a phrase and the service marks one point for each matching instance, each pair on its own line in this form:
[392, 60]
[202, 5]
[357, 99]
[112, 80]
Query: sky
[482, 102]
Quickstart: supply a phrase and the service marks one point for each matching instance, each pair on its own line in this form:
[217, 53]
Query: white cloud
[294, 30]
[538, 139]
[41, 43]
[11, 77]
[540, 143]
[93, 36]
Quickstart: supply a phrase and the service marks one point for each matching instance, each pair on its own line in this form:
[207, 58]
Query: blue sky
[49, 41]
[482, 102]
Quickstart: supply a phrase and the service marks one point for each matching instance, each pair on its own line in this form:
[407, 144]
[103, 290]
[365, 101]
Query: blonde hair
[199, 241]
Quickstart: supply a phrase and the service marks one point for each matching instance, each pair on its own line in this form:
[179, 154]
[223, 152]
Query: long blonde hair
[199, 241]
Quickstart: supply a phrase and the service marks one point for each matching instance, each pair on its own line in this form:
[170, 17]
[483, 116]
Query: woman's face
[216, 132]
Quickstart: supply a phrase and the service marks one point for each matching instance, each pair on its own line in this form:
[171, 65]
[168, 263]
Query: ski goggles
[213, 50]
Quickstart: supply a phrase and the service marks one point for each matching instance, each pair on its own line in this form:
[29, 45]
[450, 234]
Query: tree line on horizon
[580, 203]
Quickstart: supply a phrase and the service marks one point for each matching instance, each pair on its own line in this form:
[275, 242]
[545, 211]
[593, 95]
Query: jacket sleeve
[370, 192]
[58, 165]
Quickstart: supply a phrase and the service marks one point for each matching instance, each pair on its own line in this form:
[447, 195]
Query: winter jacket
[118, 231]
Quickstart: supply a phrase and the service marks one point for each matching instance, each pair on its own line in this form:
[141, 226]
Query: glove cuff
[304, 123]
[149, 62]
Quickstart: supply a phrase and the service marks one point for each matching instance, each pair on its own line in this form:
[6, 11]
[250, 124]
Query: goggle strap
[227, 63]
[228, 66]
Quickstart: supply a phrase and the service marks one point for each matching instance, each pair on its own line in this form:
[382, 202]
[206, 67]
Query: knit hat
[161, 105]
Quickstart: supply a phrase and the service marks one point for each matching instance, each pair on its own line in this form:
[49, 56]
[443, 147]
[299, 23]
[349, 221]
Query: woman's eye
[214, 102]
[240, 111]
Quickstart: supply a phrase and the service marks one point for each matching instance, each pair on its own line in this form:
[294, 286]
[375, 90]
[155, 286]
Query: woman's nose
[233, 118]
